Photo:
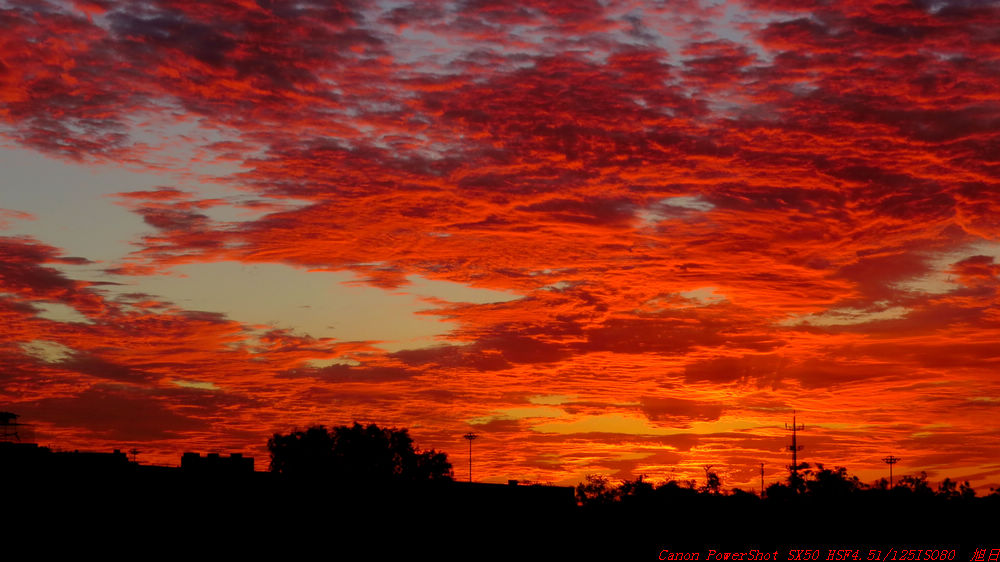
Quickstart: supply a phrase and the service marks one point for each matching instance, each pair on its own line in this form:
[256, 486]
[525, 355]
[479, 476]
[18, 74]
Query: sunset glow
[608, 236]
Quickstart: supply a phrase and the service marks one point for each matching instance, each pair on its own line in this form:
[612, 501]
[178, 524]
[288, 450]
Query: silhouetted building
[30, 458]
[512, 495]
[22, 456]
[213, 463]
[98, 463]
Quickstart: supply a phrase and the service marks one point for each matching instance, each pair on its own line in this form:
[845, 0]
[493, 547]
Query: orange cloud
[704, 225]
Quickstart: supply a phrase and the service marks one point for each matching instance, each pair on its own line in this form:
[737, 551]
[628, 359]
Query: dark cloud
[102, 369]
[732, 369]
[674, 409]
[22, 273]
[366, 374]
[116, 414]
[452, 356]
[500, 426]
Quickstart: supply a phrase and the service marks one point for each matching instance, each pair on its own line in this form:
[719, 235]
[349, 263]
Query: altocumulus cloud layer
[710, 213]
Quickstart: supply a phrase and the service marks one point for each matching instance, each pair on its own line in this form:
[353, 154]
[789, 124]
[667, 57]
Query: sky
[607, 236]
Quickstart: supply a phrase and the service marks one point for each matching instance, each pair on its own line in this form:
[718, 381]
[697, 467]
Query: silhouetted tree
[950, 489]
[303, 453]
[596, 491]
[830, 484]
[673, 491]
[797, 477]
[916, 485]
[741, 494]
[947, 489]
[713, 484]
[779, 492]
[355, 454]
[636, 491]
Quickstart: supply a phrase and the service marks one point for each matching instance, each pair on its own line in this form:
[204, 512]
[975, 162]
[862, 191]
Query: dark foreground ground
[178, 516]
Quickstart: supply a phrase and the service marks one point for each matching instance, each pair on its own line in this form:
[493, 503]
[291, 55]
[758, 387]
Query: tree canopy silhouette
[355, 454]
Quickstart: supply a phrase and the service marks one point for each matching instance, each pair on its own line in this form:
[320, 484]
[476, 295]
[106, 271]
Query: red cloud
[670, 216]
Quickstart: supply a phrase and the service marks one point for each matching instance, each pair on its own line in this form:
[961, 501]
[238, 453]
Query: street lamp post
[470, 436]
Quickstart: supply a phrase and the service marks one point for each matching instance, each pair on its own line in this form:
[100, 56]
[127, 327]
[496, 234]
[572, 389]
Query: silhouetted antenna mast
[795, 447]
[470, 436]
[8, 427]
[761, 479]
[134, 453]
[890, 460]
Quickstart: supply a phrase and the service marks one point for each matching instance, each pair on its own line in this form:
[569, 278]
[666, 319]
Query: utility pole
[795, 447]
[470, 436]
[762, 480]
[890, 460]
